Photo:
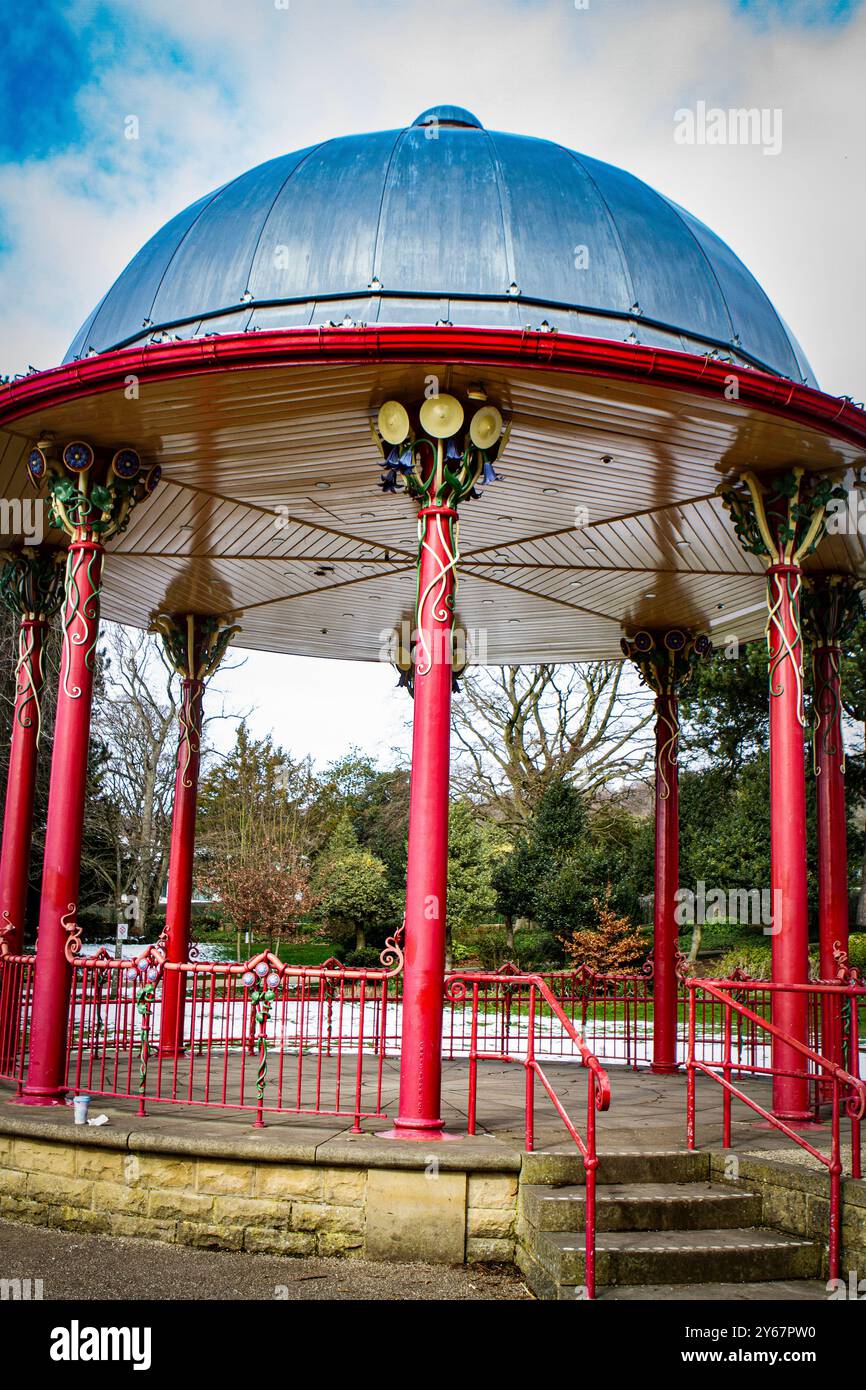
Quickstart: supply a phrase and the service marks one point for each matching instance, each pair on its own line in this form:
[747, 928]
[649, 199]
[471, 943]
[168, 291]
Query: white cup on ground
[81, 1105]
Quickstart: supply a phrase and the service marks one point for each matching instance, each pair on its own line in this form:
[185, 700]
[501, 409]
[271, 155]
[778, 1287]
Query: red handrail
[598, 1090]
[846, 1086]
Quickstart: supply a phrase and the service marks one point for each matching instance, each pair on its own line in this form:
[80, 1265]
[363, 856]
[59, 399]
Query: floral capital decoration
[31, 581]
[91, 492]
[782, 520]
[194, 644]
[666, 662]
[832, 606]
[440, 459]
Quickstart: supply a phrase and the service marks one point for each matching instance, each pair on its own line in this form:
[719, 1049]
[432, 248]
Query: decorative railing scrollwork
[7, 933]
[72, 927]
[391, 957]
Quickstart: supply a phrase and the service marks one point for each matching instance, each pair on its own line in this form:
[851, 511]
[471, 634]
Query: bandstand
[433, 380]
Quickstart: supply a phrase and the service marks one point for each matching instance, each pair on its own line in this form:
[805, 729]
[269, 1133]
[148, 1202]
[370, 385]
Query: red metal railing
[533, 1002]
[322, 1026]
[844, 1087]
[16, 989]
[613, 1014]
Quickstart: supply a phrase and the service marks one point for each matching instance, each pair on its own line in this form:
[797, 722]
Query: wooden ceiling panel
[270, 506]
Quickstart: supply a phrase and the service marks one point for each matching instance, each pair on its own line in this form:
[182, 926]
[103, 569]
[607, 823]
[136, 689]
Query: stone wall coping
[478, 1155]
[794, 1176]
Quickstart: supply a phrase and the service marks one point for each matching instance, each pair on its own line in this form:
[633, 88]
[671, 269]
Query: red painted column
[667, 872]
[832, 837]
[194, 645]
[782, 518]
[440, 465]
[56, 939]
[31, 586]
[832, 818]
[427, 871]
[178, 912]
[666, 661]
[790, 930]
[832, 609]
[21, 781]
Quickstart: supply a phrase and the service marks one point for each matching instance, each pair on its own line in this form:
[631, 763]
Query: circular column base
[418, 1136]
[658, 1069]
[793, 1122]
[28, 1098]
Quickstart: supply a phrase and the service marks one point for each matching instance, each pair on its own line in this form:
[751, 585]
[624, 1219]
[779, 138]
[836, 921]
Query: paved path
[73, 1266]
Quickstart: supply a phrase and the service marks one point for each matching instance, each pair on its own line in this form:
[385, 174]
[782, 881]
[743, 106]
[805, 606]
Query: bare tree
[517, 728]
[135, 720]
[255, 836]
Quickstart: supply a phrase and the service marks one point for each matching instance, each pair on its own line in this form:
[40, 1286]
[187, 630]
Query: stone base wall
[796, 1199]
[273, 1207]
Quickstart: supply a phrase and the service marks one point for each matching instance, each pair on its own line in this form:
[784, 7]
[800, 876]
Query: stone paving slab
[629, 1257]
[789, 1290]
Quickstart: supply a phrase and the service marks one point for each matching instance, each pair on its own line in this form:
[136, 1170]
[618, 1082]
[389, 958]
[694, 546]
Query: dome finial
[448, 115]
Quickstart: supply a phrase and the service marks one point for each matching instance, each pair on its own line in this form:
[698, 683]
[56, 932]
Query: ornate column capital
[832, 606]
[404, 665]
[782, 517]
[91, 491]
[31, 581]
[194, 643]
[432, 452]
[667, 659]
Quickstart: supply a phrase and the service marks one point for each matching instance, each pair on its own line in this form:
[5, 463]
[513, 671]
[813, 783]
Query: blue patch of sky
[39, 77]
[55, 54]
[806, 13]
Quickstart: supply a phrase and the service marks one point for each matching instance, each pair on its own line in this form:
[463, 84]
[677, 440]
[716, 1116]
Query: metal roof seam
[314, 149]
[626, 267]
[386, 189]
[683, 223]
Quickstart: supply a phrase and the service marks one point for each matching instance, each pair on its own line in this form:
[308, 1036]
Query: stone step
[642, 1206]
[788, 1290]
[620, 1166]
[739, 1255]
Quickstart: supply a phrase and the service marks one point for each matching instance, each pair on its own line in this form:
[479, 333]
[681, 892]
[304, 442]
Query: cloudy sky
[217, 86]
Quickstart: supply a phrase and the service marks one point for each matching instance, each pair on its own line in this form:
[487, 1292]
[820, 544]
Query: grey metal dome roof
[444, 222]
